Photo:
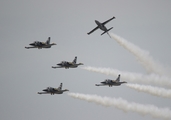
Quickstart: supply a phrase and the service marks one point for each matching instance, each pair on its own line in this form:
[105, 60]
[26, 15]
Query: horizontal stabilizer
[107, 30]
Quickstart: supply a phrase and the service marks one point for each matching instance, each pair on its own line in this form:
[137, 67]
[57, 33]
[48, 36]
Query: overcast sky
[24, 72]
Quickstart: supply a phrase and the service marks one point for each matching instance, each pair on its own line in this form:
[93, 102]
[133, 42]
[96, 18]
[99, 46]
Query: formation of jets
[74, 64]
[67, 65]
[111, 83]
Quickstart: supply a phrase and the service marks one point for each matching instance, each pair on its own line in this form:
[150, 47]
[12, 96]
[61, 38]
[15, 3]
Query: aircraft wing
[93, 30]
[30, 47]
[108, 20]
[57, 67]
[43, 93]
[100, 84]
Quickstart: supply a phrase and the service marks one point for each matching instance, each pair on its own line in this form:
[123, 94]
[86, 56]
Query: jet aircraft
[67, 65]
[111, 82]
[102, 26]
[52, 91]
[40, 45]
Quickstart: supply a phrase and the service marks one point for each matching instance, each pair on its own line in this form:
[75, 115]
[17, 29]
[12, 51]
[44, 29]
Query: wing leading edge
[108, 20]
[93, 30]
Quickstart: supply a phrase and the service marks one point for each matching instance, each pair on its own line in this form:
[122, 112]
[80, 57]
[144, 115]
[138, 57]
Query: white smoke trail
[160, 92]
[163, 113]
[134, 77]
[142, 56]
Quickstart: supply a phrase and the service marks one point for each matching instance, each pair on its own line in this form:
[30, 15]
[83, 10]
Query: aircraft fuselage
[100, 25]
[40, 45]
[67, 65]
[52, 91]
[110, 83]
[114, 83]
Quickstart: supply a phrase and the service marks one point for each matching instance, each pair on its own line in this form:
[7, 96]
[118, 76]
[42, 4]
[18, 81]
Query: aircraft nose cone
[97, 22]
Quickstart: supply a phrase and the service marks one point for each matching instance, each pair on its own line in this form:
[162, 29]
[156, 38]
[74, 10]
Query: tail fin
[75, 60]
[107, 31]
[60, 87]
[48, 41]
[118, 79]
